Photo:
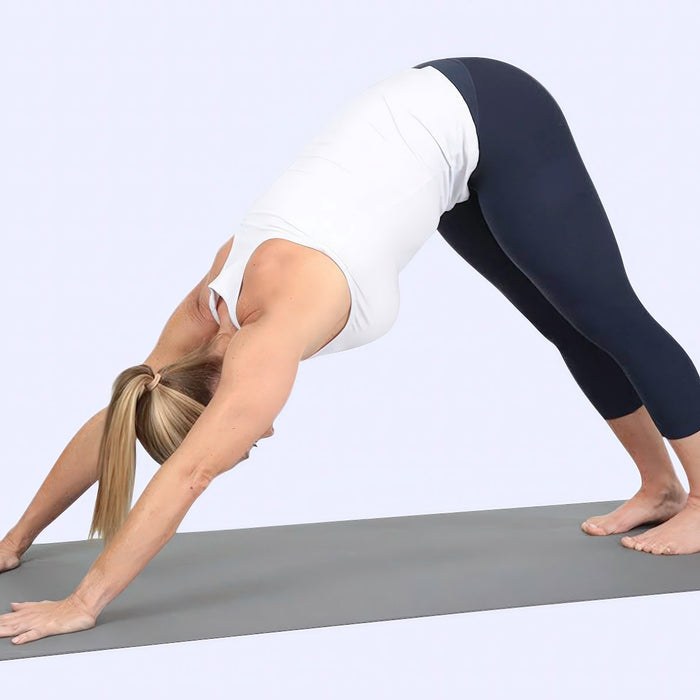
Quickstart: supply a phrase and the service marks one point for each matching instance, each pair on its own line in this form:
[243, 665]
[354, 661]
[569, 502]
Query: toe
[592, 528]
[655, 547]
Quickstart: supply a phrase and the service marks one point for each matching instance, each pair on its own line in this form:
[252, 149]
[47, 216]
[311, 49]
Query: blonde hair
[159, 418]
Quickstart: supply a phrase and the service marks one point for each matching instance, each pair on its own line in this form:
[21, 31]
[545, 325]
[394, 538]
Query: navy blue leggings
[534, 227]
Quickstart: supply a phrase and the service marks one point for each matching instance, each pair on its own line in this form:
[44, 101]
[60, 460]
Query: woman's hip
[518, 122]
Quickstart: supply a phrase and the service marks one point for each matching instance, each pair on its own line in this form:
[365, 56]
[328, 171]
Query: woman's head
[159, 418]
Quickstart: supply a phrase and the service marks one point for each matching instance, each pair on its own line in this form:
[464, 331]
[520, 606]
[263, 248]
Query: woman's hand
[32, 621]
[9, 556]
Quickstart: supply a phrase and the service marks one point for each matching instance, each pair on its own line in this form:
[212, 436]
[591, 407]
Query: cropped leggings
[534, 227]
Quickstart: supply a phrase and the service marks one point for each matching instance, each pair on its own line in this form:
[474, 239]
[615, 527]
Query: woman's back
[368, 191]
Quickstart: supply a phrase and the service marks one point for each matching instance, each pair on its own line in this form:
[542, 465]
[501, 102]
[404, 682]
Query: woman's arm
[259, 369]
[74, 472]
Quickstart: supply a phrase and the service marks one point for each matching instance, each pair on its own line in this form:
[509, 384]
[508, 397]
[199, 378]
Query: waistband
[458, 74]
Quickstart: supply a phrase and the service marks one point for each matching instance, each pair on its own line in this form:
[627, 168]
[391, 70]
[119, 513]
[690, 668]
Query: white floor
[640, 648]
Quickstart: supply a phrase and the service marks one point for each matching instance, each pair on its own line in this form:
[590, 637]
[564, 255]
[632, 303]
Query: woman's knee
[616, 323]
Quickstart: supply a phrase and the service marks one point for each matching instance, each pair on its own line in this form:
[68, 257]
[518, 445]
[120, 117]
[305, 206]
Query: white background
[133, 136]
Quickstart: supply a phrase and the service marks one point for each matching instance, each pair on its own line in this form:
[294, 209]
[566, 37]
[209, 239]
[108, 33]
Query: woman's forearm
[220, 438]
[152, 521]
[72, 474]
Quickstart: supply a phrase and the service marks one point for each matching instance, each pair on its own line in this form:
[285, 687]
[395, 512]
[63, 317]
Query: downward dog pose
[473, 147]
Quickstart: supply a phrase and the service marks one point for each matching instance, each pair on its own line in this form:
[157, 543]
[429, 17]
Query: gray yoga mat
[204, 585]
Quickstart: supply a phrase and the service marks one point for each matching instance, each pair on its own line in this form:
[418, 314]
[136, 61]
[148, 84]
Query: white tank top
[368, 191]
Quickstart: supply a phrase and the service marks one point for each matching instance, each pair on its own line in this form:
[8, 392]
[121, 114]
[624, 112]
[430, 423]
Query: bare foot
[646, 506]
[680, 535]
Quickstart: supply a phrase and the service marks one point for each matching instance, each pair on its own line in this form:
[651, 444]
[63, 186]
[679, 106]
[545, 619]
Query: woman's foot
[680, 535]
[648, 505]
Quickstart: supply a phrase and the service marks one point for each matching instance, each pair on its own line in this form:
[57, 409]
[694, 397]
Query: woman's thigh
[539, 201]
[597, 374]
[466, 231]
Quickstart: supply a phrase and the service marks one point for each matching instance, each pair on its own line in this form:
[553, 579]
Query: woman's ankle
[667, 486]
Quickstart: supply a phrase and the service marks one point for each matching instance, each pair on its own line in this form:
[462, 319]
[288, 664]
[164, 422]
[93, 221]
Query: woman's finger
[7, 622]
[28, 636]
[7, 618]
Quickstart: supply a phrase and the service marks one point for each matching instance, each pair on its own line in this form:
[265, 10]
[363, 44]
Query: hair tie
[152, 384]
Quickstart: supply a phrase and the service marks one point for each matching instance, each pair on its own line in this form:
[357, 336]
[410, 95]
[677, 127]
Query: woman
[474, 147]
